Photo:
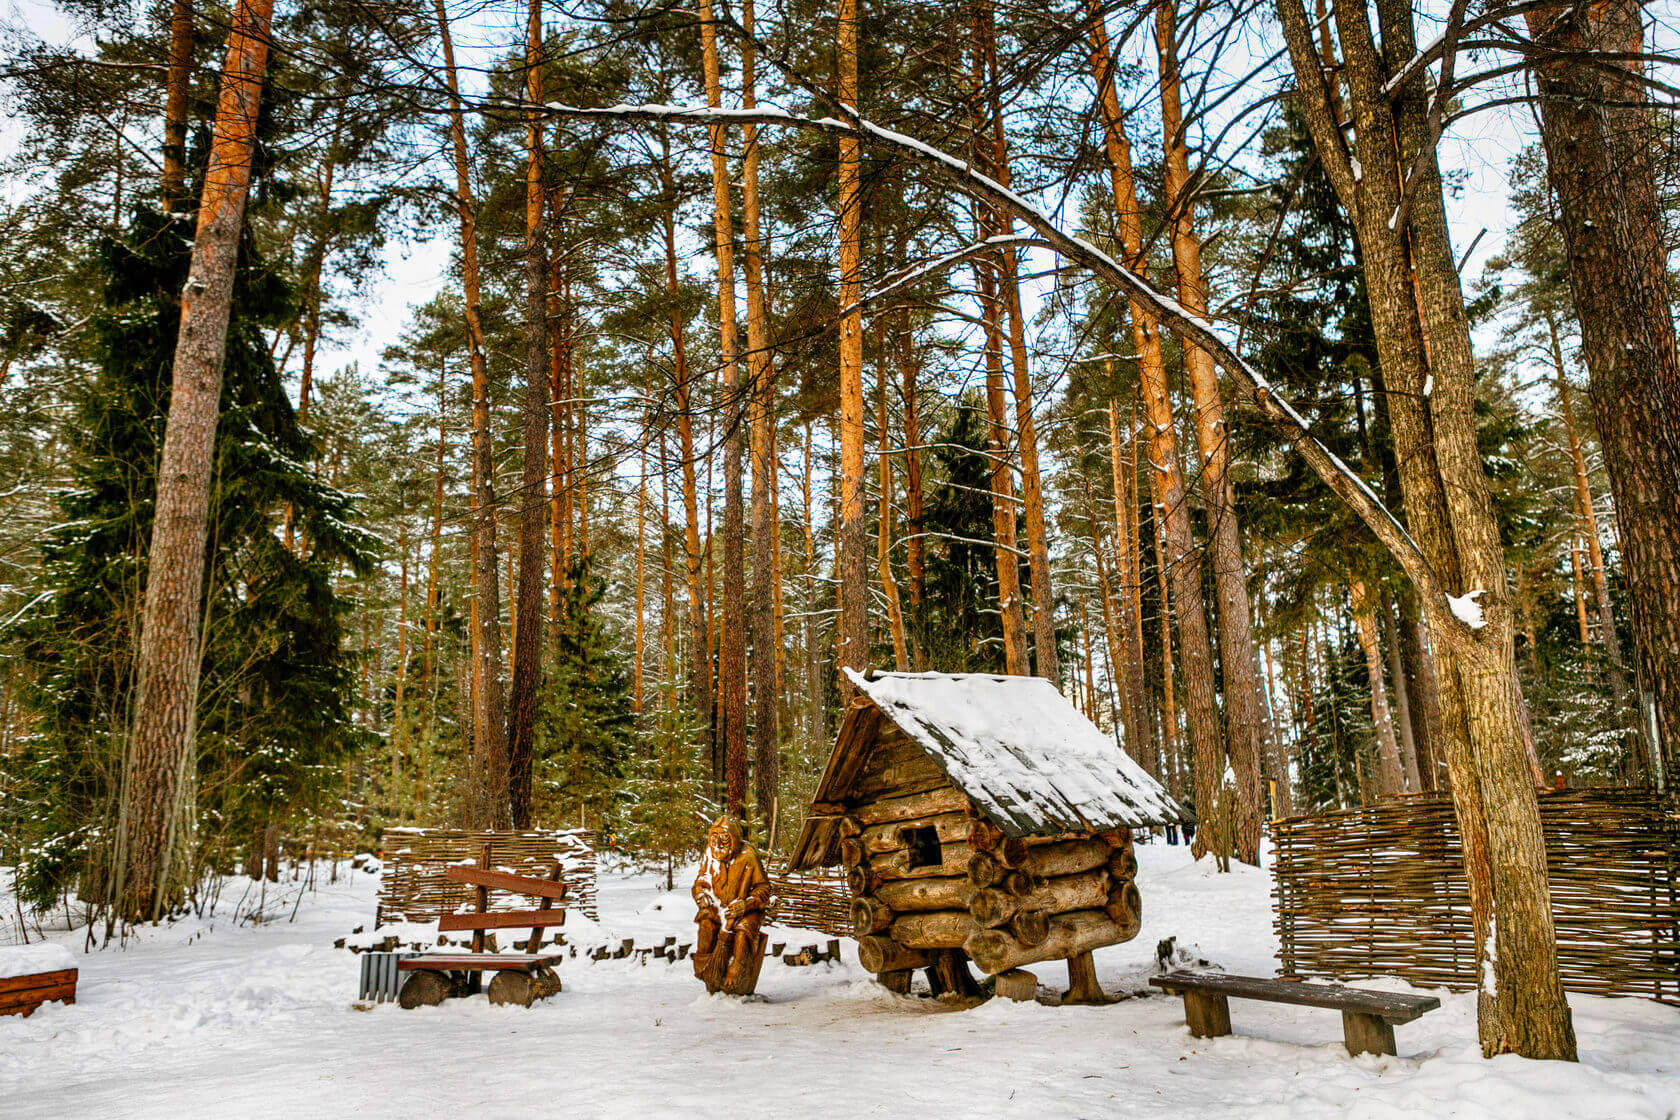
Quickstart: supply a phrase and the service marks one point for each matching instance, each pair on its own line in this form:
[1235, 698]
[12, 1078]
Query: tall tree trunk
[1601, 148]
[1412, 280]
[883, 551]
[177, 89]
[852, 544]
[761, 376]
[1402, 694]
[1390, 779]
[1587, 521]
[915, 565]
[1126, 657]
[491, 807]
[699, 674]
[528, 618]
[732, 651]
[1009, 287]
[1180, 561]
[1245, 715]
[814, 710]
[161, 761]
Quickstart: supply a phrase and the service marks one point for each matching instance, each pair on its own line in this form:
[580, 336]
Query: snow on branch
[1168, 311]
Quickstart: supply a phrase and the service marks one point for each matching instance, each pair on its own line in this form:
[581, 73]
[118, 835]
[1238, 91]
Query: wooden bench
[521, 978]
[1368, 1016]
[21, 995]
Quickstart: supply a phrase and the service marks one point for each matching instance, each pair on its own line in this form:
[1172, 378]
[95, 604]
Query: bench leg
[1367, 1034]
[1207, 1015]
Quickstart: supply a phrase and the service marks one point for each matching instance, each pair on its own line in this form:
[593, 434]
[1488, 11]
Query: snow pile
[25, 960]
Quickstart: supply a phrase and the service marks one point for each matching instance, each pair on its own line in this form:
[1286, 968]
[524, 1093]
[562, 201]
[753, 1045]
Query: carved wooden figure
[732, 893]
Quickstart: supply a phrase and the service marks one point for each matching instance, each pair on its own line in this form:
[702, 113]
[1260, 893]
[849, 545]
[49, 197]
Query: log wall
[413, 887]
[1380, 891]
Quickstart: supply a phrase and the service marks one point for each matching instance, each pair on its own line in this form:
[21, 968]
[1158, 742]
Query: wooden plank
[503, 881]
[23, 1002]
[501, 919]
[1393, 1007]
[1366, 1034]
[475, 962]
[38, 980]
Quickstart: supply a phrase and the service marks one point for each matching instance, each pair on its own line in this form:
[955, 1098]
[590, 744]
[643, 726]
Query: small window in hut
[923, 844]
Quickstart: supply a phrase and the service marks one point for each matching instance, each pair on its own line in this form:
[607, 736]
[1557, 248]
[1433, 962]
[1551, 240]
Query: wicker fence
[413, 888]
[818, 900]
[1380, 891]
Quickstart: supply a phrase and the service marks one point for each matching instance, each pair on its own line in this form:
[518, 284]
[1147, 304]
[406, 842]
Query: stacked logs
[1002, 901]
[1049, 897]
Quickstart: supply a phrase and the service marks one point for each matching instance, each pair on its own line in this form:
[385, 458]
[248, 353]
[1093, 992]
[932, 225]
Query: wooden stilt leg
[1367, 1034]
[1082, 981]
[1206, 1014]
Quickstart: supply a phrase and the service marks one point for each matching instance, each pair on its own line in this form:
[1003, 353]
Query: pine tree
[272, 698]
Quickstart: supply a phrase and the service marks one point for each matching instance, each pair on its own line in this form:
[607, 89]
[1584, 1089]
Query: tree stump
[424, 989]
[1016, 984]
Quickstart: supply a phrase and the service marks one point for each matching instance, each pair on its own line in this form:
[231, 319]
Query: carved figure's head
[724, 839]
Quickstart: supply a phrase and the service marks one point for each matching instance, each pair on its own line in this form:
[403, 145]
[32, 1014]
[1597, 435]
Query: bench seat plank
[1391, 1007]
[476, 962]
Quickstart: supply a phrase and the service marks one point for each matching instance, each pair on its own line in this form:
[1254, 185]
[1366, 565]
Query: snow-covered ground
[209, 1019]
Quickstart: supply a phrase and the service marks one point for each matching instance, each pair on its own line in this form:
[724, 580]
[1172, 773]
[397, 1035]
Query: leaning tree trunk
[528, 627]
[161, 760]
[1601, 146]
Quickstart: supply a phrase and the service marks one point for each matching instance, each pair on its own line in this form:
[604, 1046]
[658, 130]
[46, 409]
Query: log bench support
[1368, 1016]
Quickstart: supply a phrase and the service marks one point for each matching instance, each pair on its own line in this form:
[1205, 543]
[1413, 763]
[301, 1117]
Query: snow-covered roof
[1015, 746]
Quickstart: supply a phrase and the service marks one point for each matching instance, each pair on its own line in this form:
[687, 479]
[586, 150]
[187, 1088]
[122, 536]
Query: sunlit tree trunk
[884, 520]
[1390, 779]
[528, 618]
[490, 802]
[732, 652]
[852, 562]
[766, 646]
[177, 88]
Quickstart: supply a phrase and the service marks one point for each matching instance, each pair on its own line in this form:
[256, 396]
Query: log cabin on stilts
[980, 818]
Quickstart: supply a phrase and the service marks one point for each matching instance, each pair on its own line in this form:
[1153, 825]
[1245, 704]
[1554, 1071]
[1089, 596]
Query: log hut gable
[1020, 754]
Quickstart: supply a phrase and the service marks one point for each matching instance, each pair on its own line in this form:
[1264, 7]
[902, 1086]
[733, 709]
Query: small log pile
[1380, 892]
[960, 890]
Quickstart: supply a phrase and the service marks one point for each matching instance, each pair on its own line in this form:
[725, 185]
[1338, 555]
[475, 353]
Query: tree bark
[528, 615]
[161, 762]
[766, 542]
[1412, 281]
[177, 88]
[1601, 145]
[490, 802]
[1045, 655]
[1181, 561]
[699, 672]
[852, 545]
[732, 650]
[1361, 600]
[1245, 715]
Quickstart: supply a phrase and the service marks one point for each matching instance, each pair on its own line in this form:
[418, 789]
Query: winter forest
[493, 415]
